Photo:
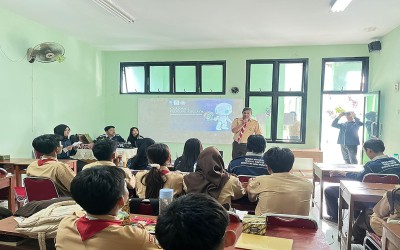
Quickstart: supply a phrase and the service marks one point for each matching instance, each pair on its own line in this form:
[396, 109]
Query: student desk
[302, 238]
[391, 236]
[87, 154]
[352, 192]
[18, 166]
[9, 182]
[321, 174]
[315, 154]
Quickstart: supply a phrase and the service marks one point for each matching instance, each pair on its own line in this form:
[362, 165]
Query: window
[345, 74]
[276, 90]
[173, 78]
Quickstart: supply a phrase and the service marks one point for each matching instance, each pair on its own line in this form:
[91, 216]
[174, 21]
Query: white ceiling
[192, 24]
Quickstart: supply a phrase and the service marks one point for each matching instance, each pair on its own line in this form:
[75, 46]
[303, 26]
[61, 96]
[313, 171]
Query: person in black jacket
[379, 164]
[348, 136]
[134, 137]
[63, 131]
[110, 135]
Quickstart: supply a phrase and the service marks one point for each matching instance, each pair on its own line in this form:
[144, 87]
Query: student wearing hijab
[67, 150]
[139, 161]
[211, 178]
[134, 137]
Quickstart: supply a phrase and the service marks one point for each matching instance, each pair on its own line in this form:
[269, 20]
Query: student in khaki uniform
[211, 178]
[149, 183]
[101, 192]
[48, 166]
[280, 192]
[194, 221]
[105, 152]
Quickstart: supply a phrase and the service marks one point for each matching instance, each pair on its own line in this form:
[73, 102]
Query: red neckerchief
[42, 161]
[164, 171]
[88, 228]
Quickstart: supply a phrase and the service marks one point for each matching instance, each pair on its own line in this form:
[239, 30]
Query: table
[9, 182]
[321, 174]
[391, 236]
[87, 154]
[315, 154]
[18, 166]
[352, 192]
[302, 238]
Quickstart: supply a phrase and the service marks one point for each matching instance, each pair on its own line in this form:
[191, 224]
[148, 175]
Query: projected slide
[178, 119]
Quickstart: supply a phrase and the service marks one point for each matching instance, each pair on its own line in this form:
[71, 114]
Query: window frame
[275, 94]
[198, 66]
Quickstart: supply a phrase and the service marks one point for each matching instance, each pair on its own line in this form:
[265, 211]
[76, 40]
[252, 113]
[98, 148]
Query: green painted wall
[121, 110]
[36, 97]
[384, 73]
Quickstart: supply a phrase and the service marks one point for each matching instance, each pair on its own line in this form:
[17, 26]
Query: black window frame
[198, 66]
[275, 94]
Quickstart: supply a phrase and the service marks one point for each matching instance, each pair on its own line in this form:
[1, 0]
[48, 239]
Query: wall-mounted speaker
[374, 46]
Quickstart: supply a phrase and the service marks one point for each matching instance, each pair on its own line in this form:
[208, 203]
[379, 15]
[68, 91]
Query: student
[48, 166]
[252, 163]
[379, 164]
[188, 160]
[210, 178]
[139, 161]
[134, 137]
[101, 191]
[111, 135]
[105, 152]
[195, 222]
[63, 131]
[149, 183]
[280, 192]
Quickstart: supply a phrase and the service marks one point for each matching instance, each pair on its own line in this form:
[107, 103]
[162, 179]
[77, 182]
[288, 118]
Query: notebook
[259, 242]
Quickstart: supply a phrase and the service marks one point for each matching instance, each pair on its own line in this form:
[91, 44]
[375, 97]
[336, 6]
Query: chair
[381, 178]
[40, 188]
[144, 206]
[372, 242]
[233, 217]
[288, 220]
[245, 178]
[20, 196]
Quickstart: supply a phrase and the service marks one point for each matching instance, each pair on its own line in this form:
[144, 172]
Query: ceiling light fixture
[340, 5]
[114, 9]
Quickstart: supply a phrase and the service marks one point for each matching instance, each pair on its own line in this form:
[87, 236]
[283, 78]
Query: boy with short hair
[101, 191]
[195, 222]
[48, 166]
[105, 152]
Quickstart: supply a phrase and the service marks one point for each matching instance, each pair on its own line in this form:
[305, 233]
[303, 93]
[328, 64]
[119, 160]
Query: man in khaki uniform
[101, 192]
[48, 166]
[242, 129]
[280, 192]
[105, 152]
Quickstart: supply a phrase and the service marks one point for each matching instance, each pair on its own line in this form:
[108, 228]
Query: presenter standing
[242, 129]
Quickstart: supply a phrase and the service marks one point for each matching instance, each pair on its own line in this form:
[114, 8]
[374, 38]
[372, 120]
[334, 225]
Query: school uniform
[281, 193]
[232, 190]
[250, 164]
[60, 173]
[97, 232]
[129, 179]
[173, 180]
[239, 145]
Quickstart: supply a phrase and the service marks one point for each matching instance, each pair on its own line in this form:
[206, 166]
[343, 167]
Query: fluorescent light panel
[115, 10]
[340, 5]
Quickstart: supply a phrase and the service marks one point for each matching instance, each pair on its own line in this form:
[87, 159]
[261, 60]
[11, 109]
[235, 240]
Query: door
[371, 118]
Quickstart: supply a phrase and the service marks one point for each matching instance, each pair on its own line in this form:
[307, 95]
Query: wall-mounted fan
[46, 53]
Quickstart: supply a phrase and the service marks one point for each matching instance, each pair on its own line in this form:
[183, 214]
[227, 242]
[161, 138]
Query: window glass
[133, 79]
[290, 76]
[289, 118]
[261, 77]
[159, 79]
[212, 78]
[261, 107]
[185, 78]
[343, 76]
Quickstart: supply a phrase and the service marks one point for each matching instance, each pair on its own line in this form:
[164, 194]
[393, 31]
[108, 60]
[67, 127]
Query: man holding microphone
[242, 129]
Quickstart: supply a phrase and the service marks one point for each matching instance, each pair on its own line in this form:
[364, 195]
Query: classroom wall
[36, 97]
[384, 73]
[121, 110]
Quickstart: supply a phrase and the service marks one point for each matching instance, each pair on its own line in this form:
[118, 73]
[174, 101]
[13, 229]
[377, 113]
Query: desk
[9, 182]
[315, 154]
[352, 192]
[87, 154]
[302, 238]
[18, 166]
[321, 174]
[391, 236]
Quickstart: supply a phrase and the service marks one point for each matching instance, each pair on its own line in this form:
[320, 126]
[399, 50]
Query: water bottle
[166, 196]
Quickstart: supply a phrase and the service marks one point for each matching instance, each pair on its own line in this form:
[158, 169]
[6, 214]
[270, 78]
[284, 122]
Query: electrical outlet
[396, 87]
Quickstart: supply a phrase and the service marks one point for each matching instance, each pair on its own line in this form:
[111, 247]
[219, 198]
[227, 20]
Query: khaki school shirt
[173, 180]
[281, 193]
[112, 237]
[129, 179]
[60, 173]
[252, 128]
[232, 190]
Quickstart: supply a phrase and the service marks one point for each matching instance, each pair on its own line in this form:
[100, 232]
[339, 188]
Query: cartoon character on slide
[222, 112]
